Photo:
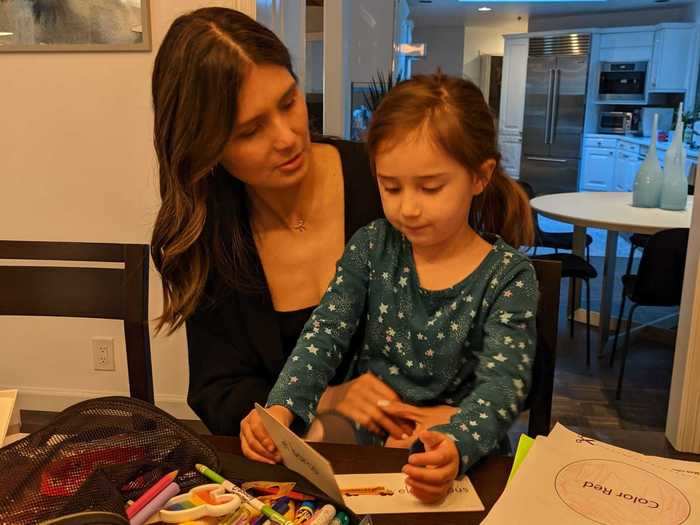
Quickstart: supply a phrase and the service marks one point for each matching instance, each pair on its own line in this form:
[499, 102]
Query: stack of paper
[570, 479]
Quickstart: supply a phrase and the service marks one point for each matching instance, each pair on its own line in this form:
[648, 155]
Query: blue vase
[674, 191]
[649, 179]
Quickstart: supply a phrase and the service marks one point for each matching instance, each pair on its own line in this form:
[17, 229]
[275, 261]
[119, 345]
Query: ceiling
[452, 12]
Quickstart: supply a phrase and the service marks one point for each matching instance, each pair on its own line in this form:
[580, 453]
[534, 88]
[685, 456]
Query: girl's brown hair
[455, 115]
[202, 226]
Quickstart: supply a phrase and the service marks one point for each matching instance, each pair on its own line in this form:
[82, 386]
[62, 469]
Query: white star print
[406, 269]
[385, 276]
[469, 298]
[521, 367]
[295, 358]
[440, 335]
[494, 282]
[403, 282]
[290, 402]
[383, 308]
[514, 407]
[431, 322]
[454, 305]
[473, 313]
[490, 365]
[331, 307]
[438, 314]
[312, 349]
[454, 327]
[400, 315]
[371, 245]
[309, 367]
[353, 247]
[465, 460]
[394, 370]
[519, 284]
[339, 280]
[409, 364]
[308, 335]
[380, 319]
[343, 324]
[473, 423]
[293, 379]
[518, 383]
[399, 346]
[463, 427]
[476, 436]
[500, 357]
[526, 359]
[429, 352]
[389, 339]
[483, 415]
[507, 339]
[505, 317]
[521, 345]
[528, 314]
[328, 331]
[421, 365]
[391, 331]
[419, 336]
[508, 294]
[502, 412]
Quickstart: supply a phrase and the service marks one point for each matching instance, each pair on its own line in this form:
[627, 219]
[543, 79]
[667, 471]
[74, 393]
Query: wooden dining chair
[102, 293]
[539, 400]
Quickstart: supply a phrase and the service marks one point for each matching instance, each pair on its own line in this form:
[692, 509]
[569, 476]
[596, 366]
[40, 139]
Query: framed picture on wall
[74, 25]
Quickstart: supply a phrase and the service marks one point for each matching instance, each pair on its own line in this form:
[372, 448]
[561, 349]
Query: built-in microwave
[622, 80]
[618, 122]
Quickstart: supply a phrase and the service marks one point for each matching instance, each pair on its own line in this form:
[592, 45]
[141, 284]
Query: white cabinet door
[513, 85]
[597, 169]
[671, 60]
[511, 149]
[626, 167]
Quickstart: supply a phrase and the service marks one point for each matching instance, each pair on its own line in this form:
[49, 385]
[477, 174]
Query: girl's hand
[255, 441]
[431, 473]
[422, 417]
[360, 400]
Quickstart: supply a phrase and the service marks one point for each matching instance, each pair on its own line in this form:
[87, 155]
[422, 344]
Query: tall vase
[674, 191]
[649, 179]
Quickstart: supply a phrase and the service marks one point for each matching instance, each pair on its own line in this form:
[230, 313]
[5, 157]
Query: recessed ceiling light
[484, 9]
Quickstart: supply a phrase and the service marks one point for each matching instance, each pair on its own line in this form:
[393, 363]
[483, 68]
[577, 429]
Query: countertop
[644, 141]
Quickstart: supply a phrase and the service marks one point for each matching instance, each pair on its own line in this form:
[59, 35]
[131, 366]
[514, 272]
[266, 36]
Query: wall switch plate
[103, 353]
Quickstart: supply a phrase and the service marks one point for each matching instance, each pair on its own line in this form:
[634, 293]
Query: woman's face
[270, 144]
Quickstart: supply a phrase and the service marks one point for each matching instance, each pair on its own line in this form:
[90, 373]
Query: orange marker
[151, 493]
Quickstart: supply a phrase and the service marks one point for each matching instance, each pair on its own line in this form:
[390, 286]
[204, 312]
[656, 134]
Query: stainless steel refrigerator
[555, 100]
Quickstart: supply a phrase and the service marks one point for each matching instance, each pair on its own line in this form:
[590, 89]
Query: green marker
[258, 505]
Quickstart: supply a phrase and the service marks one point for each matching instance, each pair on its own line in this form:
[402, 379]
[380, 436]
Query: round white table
[611, 211]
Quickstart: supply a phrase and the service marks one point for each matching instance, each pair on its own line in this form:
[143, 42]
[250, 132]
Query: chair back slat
[104, 293]
[540, 398]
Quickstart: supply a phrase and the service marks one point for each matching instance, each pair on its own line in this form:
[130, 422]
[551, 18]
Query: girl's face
[425, 193]
[270, 143]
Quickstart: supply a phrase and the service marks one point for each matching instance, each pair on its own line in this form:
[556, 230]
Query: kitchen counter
[644, 141]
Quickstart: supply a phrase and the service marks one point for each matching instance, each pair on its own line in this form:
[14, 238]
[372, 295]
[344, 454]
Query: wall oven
[622, 80]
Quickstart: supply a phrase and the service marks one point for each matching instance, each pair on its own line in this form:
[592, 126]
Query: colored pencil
[151, 493]
[155, 505]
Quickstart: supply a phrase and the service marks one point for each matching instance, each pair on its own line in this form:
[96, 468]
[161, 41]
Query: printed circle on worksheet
[615, 493]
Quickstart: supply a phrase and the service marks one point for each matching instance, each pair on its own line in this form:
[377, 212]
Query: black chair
[554, 240]
[104, 293]
[658, 282]
[575, 267]
[539, 400]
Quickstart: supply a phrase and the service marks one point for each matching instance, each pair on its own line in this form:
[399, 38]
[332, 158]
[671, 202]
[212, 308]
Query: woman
[254, 216]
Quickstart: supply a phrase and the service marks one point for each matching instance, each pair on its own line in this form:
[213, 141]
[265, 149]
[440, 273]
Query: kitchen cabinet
[626, 168]
[513, 85]
[597, 169]
[632, 46]
[670, 67]
[511, 148]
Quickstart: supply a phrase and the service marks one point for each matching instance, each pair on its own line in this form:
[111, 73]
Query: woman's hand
[360, 400]
[422, 417]
[431, 473]
[255, 441]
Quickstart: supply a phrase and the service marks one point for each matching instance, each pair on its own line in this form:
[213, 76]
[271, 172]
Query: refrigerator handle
[555, 106]
[548, 108]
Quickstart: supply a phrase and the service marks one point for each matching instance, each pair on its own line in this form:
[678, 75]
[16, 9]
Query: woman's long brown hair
[202, 226]
[453, 111]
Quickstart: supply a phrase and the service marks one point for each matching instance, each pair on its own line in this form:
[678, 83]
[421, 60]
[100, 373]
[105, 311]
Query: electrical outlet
[103, 353]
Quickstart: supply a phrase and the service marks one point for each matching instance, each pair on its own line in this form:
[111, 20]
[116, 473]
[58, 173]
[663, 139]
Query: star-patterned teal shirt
[470, 346]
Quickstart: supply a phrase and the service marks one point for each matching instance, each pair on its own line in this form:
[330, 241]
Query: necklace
[300, 226]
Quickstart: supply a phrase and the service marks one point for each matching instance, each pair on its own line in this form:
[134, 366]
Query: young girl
[449, 308]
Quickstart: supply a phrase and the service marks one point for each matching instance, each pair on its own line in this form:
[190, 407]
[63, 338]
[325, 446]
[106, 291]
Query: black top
[291, 324]
[235, 346]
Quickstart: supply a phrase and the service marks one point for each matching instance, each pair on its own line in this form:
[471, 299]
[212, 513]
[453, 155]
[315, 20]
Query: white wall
[77, 164]
[444, 45]
[481, 40]
[639, 17]
[371, 38]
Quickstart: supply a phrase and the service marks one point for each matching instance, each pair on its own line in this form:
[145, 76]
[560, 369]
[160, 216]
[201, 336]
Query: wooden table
[611, 211]
[489, 477]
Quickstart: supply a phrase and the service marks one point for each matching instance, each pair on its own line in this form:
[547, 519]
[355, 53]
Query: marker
[304, 512]
[281, 506]
[151, 493]
[323, 516]
[341, 519]
[250, 500]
